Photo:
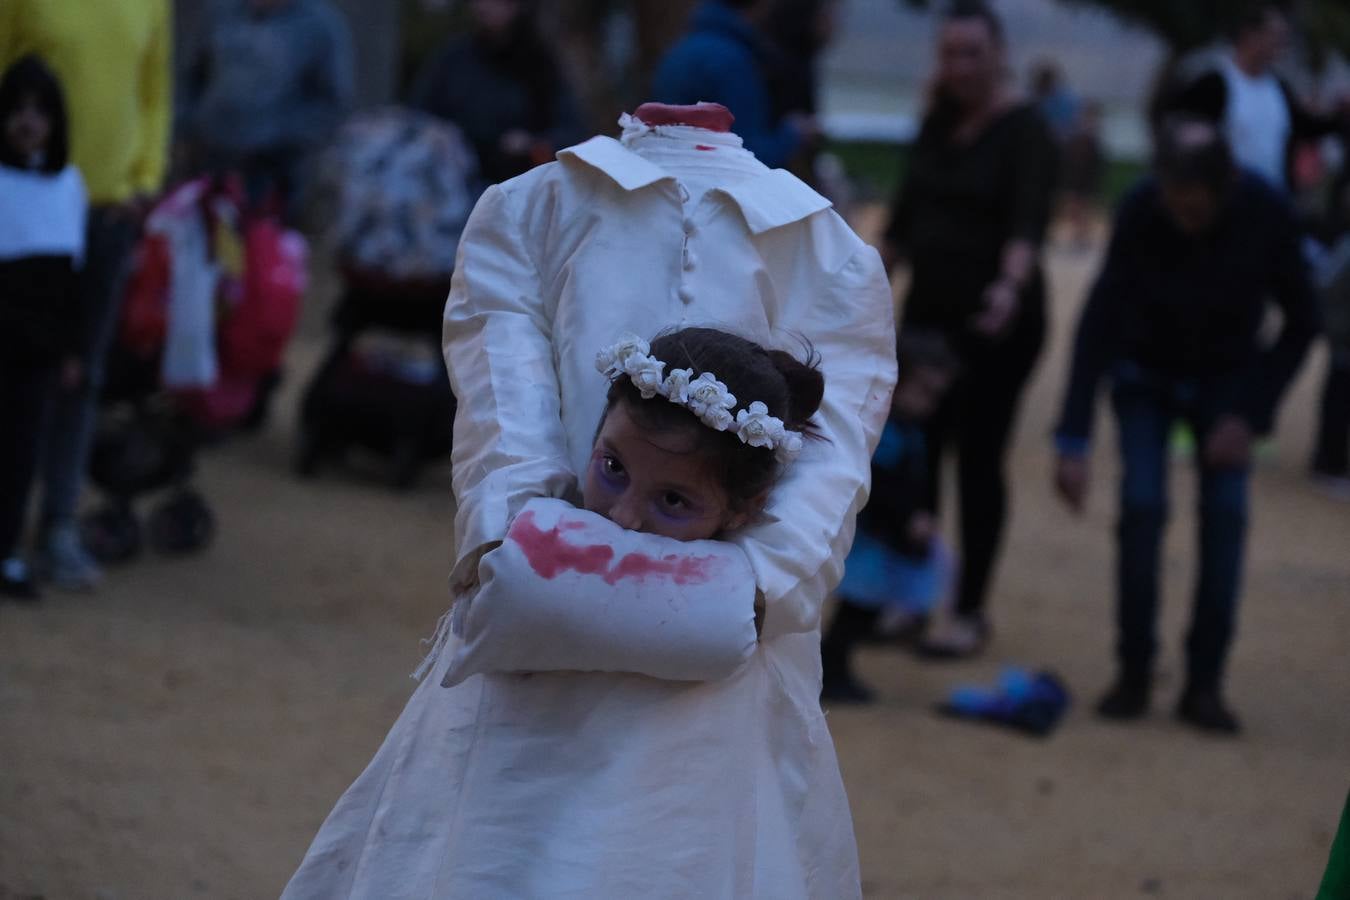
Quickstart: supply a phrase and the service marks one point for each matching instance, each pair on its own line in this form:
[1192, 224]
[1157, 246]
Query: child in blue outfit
[898, 569]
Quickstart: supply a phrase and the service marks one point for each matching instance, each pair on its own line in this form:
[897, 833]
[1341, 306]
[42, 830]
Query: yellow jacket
[113, 62]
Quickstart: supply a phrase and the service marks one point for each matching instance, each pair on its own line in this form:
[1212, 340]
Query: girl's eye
[674, 502]
[611, 466]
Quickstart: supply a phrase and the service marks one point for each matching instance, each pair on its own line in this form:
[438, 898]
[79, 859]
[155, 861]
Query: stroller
[403, 185]
[211, 303]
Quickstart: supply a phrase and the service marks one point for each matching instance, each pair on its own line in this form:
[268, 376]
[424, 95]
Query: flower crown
[704, 396]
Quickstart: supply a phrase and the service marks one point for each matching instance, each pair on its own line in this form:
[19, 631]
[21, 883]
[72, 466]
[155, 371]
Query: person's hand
[1229, 443]
[922, 528]
[1073, 475]
[1000, 306]
[72, 372]
[516, 142]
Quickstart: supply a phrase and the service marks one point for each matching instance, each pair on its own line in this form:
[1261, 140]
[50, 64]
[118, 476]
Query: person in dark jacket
[726, 59]
[971, 218]
[1175, 320]
[1257, 110]
[897, 565]
[503, 88]
[43, 212]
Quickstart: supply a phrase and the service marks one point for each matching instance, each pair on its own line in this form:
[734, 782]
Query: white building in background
[874, 73]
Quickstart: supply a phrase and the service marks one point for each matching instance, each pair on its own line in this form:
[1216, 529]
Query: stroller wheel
[182, 524]
[112, 533]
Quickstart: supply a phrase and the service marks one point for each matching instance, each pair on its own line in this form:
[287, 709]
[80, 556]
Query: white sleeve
[509, 442]
[807, 526]
[568, 590]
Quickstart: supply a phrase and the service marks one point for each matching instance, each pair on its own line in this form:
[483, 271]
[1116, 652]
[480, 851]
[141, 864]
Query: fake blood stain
[550, 555]
[709, 116]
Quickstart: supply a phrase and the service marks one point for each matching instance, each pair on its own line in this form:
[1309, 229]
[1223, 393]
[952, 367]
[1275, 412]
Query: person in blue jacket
[725, 59]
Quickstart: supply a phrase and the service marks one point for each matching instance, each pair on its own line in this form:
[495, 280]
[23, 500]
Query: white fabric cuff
[568, 590]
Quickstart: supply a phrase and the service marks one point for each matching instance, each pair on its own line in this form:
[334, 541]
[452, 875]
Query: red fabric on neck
[712, 116]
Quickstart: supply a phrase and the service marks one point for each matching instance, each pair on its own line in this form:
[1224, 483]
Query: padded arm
[568, 590]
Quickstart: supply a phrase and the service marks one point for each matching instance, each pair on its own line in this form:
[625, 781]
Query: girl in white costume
[713, 775]
[612, 721]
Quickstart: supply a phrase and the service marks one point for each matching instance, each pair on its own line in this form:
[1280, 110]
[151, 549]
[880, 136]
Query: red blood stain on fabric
[712, 116]
[679, 569]
[549, 554]
[704, 147]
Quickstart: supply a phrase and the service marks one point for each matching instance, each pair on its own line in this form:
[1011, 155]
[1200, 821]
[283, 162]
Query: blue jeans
[73, 413]
[1147, 406]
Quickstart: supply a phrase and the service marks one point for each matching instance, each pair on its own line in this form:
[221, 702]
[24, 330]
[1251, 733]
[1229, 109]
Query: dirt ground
[183, 732]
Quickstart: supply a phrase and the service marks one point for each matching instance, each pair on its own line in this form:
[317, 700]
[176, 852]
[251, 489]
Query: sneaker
[956, 638]
[1204, 708]
[16, 581]
[1127, 700]
[67, 564]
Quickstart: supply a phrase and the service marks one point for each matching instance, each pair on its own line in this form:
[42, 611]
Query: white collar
[767, 201]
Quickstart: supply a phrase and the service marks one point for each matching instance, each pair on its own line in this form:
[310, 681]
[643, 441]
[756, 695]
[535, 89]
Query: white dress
[610, 784]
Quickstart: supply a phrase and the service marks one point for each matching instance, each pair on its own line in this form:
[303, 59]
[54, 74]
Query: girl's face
[27, 128]
[652, 482]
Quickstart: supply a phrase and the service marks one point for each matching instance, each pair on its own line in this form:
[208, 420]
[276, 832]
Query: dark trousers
[25, 393]
[977, 418]
[1147, 406]
[70, 426]
[1332, 456]
[852, 624]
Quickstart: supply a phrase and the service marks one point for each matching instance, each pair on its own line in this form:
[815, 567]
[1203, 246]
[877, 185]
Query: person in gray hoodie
[268, 81]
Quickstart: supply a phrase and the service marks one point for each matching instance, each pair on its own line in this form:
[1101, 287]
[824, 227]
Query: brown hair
[790, 388]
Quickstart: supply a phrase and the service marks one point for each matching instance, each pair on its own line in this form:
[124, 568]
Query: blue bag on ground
[1031, 702]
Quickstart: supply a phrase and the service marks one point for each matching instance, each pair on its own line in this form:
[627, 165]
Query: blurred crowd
[152, 202]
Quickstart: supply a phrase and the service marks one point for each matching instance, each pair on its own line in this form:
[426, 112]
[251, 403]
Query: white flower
[754, 426]
[676, 386]
[706, 394]
[645, 373]
[717, 418]
[613, 360]
[790, 447]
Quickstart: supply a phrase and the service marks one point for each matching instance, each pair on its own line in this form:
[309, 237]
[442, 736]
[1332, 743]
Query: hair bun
[805, 384]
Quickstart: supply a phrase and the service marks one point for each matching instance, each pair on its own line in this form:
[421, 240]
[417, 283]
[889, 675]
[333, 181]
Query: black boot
[1128, 698]
[851, 624]
[1202, 706]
